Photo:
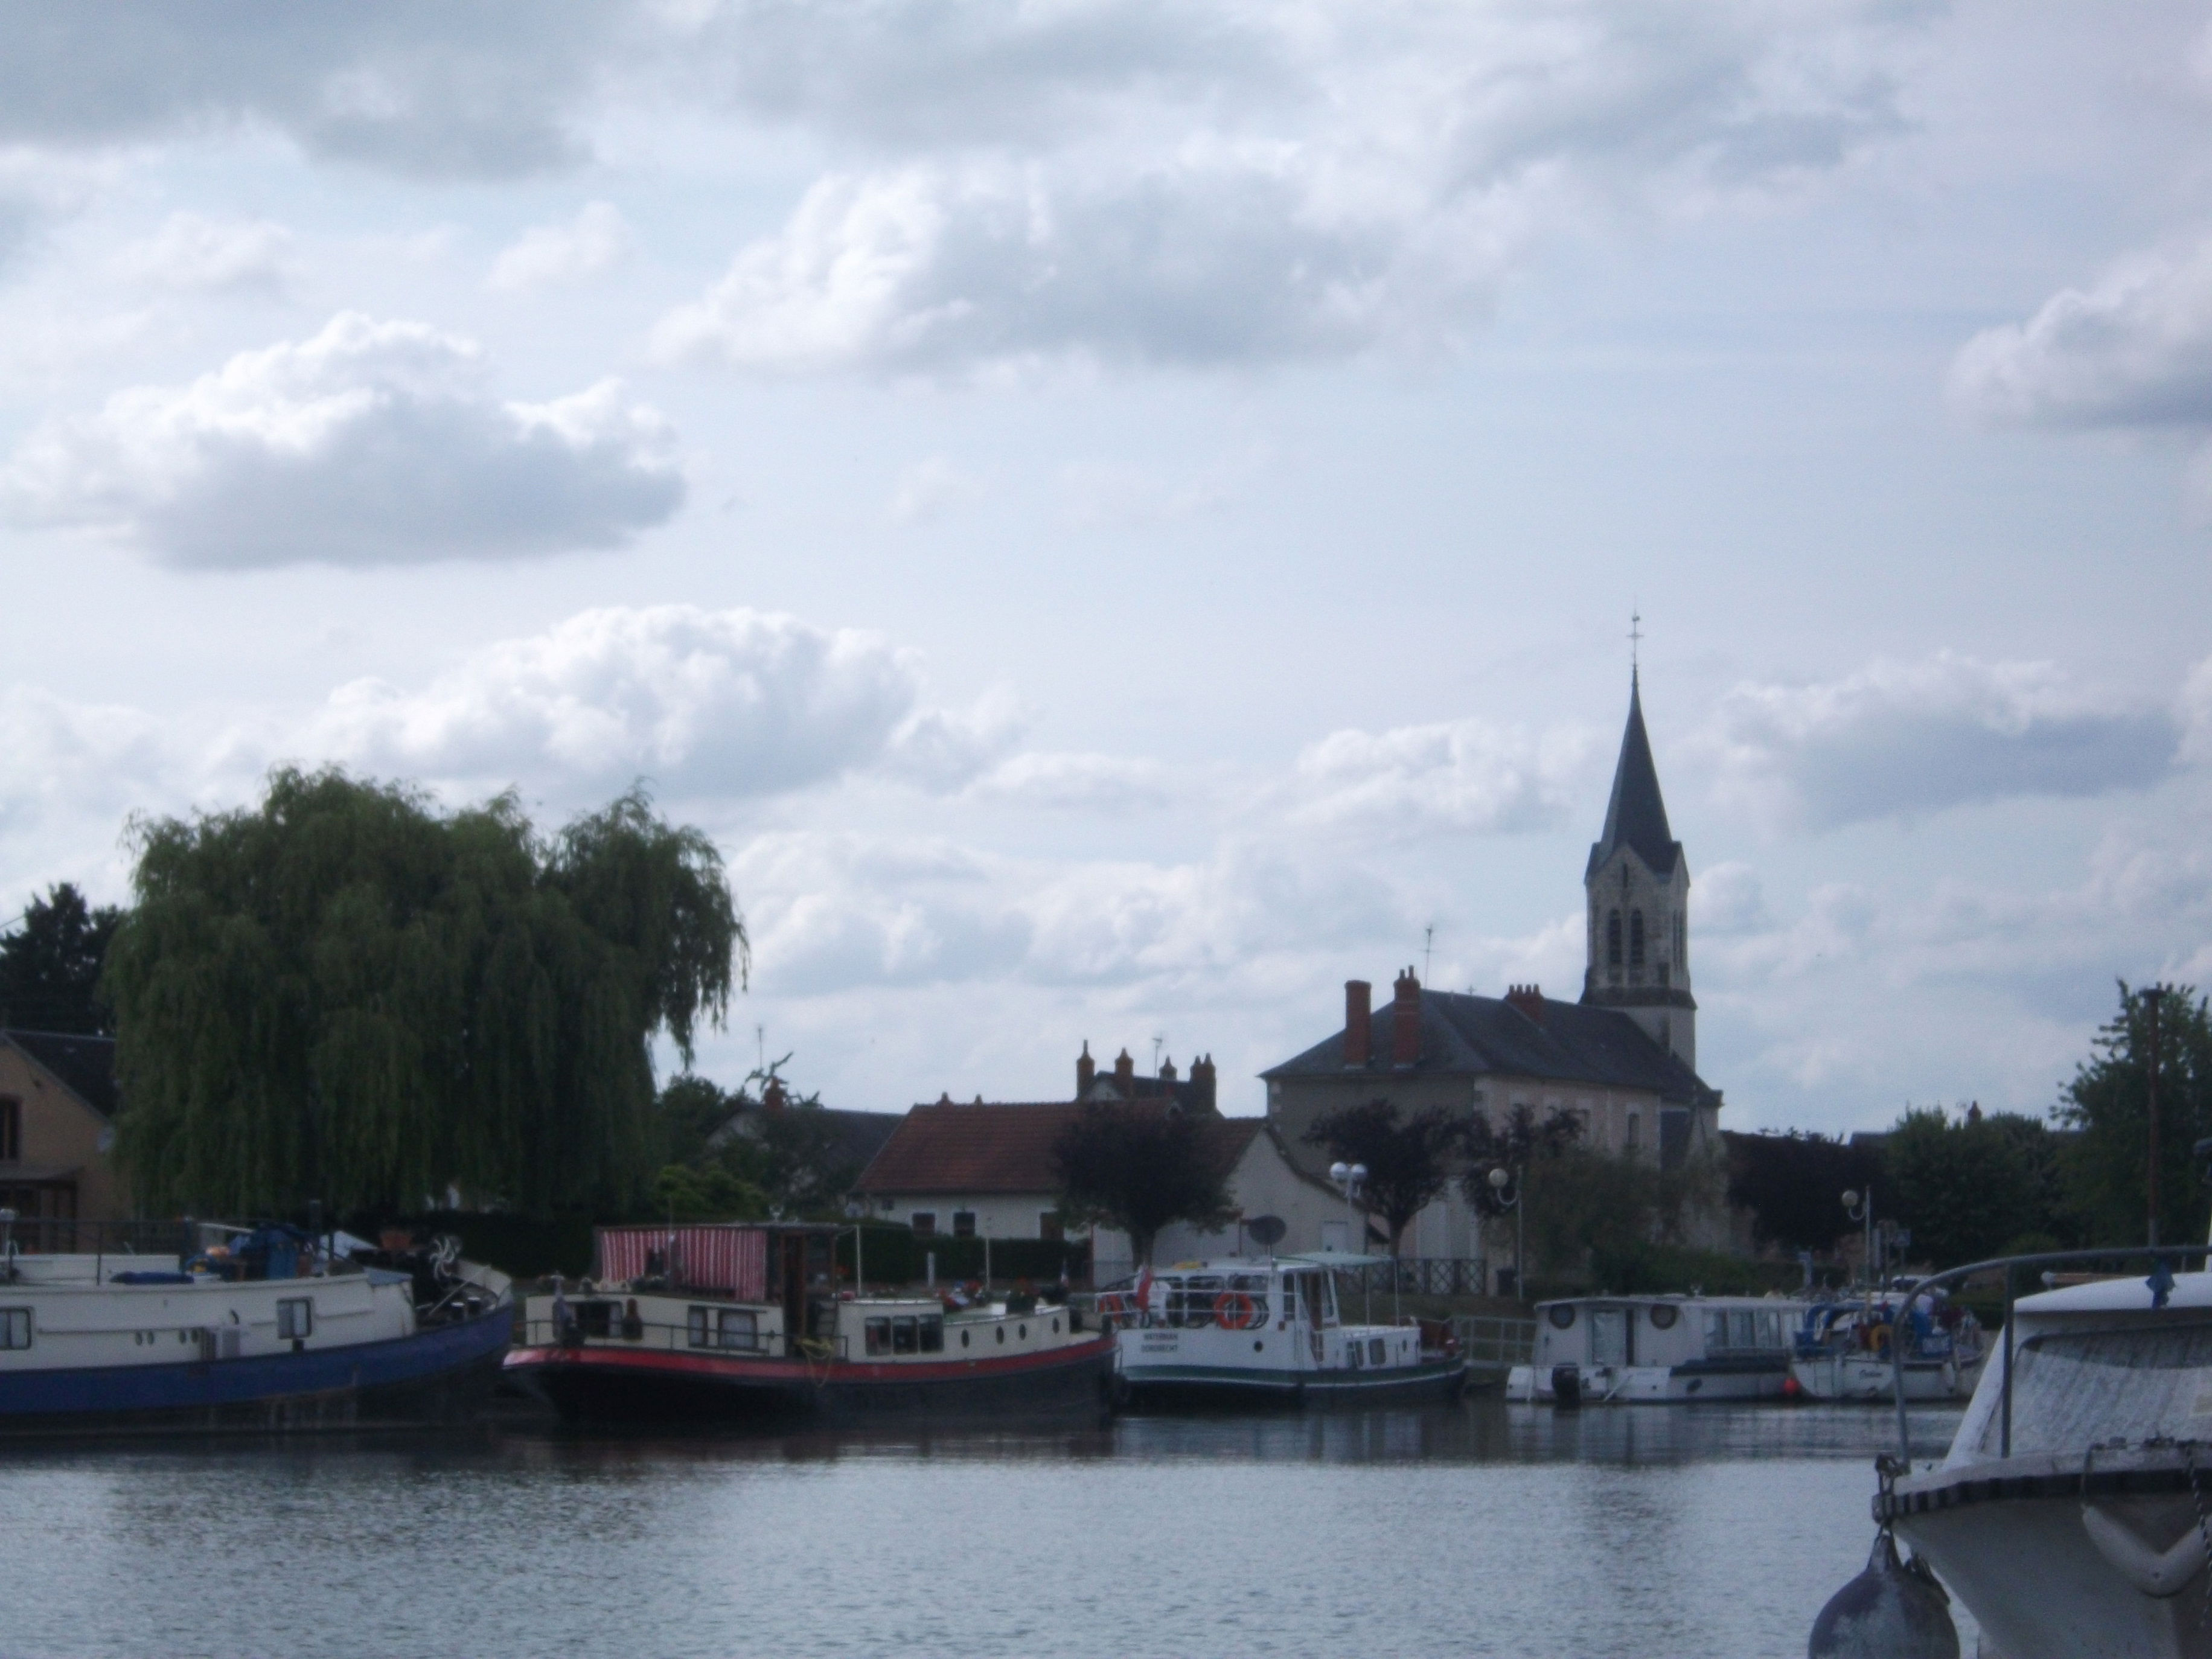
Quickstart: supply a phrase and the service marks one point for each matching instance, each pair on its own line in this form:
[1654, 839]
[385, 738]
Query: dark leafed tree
[1972, 1186]
[2107, 1168]
[1410, 1161]
[49, 965]
[346, 993]
[1521, 1142]
[1140, 1169]
[1792, 1184]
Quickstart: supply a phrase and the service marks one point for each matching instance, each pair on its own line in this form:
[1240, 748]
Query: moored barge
[742, 1322]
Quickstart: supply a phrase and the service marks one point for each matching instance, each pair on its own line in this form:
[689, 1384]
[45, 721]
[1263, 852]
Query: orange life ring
[1236, 1311]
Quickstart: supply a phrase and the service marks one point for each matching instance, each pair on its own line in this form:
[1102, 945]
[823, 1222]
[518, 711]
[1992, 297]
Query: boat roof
[1641, 1298]
[1343, 1259]
[2128, 1295]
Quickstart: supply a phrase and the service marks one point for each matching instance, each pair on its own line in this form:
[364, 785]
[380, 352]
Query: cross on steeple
[1635, 640]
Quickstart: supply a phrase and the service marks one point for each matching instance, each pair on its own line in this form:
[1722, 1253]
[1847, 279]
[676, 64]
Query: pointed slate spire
[1636, 817]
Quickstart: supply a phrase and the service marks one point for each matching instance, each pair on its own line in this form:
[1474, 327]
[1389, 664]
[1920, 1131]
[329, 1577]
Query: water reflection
[1484, 1530]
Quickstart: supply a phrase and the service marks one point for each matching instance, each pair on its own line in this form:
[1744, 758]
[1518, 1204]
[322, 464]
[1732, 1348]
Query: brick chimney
[1405, 1022]
[1358, 1023]
[1125, 1076]
[1201, 1083]
[772, 1098]
[1529, 999]
[1167, 1071]
[1086, 1072]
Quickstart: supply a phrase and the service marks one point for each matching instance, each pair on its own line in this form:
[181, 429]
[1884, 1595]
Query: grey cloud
[414, 87]
[1902, 738]
[371, 443]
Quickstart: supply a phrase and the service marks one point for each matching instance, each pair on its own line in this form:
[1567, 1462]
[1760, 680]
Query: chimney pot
[1405, 1022]
[1086, 1072]
[1358, 1022]
[1125, 1074]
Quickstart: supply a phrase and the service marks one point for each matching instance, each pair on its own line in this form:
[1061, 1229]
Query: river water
[1483, 1529]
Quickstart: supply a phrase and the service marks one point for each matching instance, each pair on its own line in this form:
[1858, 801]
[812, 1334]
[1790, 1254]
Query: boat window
[879, 1336]
[1352, 1355]
[1743, 1332]
[1562, 1316]
[1055, 1327]
[296, 1318]
[739, 1328]
[963, 1338]
[1770, 1329]
[1251, 1283]
[1378, 1350]
[904, 1335]
[15, 1327]
[595, 1318]
[1002, 1333]
[933, 1332]
[963, 1223]
[698, 1325]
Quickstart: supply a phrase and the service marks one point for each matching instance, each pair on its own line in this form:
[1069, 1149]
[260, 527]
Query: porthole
[1663, 1315]
[1055, 1328]
[1023, 1332]
[1562, 1314]
[963, 1338]
[1258, 1346]
[1002, 1333]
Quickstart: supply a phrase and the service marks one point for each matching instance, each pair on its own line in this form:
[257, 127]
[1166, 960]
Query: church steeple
[1638, 885]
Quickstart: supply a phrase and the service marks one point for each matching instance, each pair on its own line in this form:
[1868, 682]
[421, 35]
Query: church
[1621, 1058]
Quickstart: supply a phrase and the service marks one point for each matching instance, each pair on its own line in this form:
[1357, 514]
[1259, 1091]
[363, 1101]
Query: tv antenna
[1428, 950]
[1158, 1043]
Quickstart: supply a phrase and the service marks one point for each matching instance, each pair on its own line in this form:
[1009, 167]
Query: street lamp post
[1349, 1177]
[1499, 1180]
[1861, 1209]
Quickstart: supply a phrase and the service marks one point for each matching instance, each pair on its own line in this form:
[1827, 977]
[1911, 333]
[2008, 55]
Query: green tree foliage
[1968, 1188]
[783, 1148]
[684, 1192]
[49, 965]
[1793, 1182]
[2105, 1167]
[1409, 1162]
[1139, 1169]
[346, 993]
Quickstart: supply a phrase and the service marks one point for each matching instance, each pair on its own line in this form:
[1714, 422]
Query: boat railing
[650, 1333]
[1495, 1339]
[2162, 1256]
[37, 1234]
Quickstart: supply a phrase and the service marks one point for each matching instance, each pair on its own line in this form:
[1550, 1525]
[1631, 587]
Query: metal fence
[1417, 1275]
[1496, 1344]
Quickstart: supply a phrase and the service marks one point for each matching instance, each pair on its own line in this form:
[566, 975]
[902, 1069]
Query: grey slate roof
[1477, 1036]
[86, 1064]
[1636, 816]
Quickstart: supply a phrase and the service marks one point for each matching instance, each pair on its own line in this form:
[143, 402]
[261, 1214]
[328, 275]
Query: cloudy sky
[1122, 516]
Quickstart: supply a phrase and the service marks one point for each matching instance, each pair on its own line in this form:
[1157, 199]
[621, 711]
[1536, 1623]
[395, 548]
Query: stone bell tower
[1638, 887]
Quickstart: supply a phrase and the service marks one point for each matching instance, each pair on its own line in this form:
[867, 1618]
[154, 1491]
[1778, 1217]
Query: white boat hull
[1868, 1378]
[1652, 1385]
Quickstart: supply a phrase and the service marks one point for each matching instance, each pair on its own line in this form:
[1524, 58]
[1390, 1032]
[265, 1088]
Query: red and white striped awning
[729, 1258]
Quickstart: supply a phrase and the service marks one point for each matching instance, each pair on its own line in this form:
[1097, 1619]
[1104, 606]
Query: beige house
[57, 1134]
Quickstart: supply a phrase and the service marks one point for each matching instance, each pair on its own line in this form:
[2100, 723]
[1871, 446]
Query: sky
[1118, 518]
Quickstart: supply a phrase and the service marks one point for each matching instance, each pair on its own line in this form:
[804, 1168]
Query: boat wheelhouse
[2068, 1515]
[742, 1321]
[1269, 1331]
[236, 1329]
[1599, 1349]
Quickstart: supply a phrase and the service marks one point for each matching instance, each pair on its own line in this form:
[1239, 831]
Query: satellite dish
[1266, 1230]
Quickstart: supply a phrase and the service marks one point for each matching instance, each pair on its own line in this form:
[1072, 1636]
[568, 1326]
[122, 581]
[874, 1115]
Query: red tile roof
[1004, 1148]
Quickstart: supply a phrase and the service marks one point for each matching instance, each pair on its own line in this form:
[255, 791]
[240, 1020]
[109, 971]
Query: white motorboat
[1841, 1350]
[2070, 1514]
[1269, 1331]
[1637, 1350]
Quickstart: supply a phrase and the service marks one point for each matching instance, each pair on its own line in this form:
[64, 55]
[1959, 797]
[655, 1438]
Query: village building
[58, 1105]
[1621, 1060]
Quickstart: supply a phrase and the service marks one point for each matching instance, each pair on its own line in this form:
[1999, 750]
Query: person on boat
[565, 1332]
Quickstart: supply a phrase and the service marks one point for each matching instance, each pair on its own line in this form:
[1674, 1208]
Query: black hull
[587, 1393]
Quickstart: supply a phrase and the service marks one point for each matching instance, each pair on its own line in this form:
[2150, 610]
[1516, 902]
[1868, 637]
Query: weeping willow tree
[346, 993]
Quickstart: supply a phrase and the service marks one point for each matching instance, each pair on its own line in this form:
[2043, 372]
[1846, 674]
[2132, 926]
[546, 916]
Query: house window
[1635, 939]
[11, 1128]
[924, 1223]
[15, 1327]
[887, 1206]
[963, 1223]
[738, 1328]
[1049, 1225]
[296, 1319]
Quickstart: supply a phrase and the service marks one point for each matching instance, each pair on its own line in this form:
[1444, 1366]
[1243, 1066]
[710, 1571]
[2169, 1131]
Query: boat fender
[2156, 1573]
[1893, 1610]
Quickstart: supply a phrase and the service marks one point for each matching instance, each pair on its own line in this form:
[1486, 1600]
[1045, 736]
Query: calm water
[1482, 1529]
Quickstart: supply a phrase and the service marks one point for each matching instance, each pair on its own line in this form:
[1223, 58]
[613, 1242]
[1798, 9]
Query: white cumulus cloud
[719, 704]
[573, 252]
[370, 443]
[1898, 738]
[1448, 777]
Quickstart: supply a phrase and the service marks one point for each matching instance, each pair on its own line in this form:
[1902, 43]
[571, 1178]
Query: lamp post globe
[1339, 1172]
[1359, 1172]
[1850, 1200]
[1499, 1178]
